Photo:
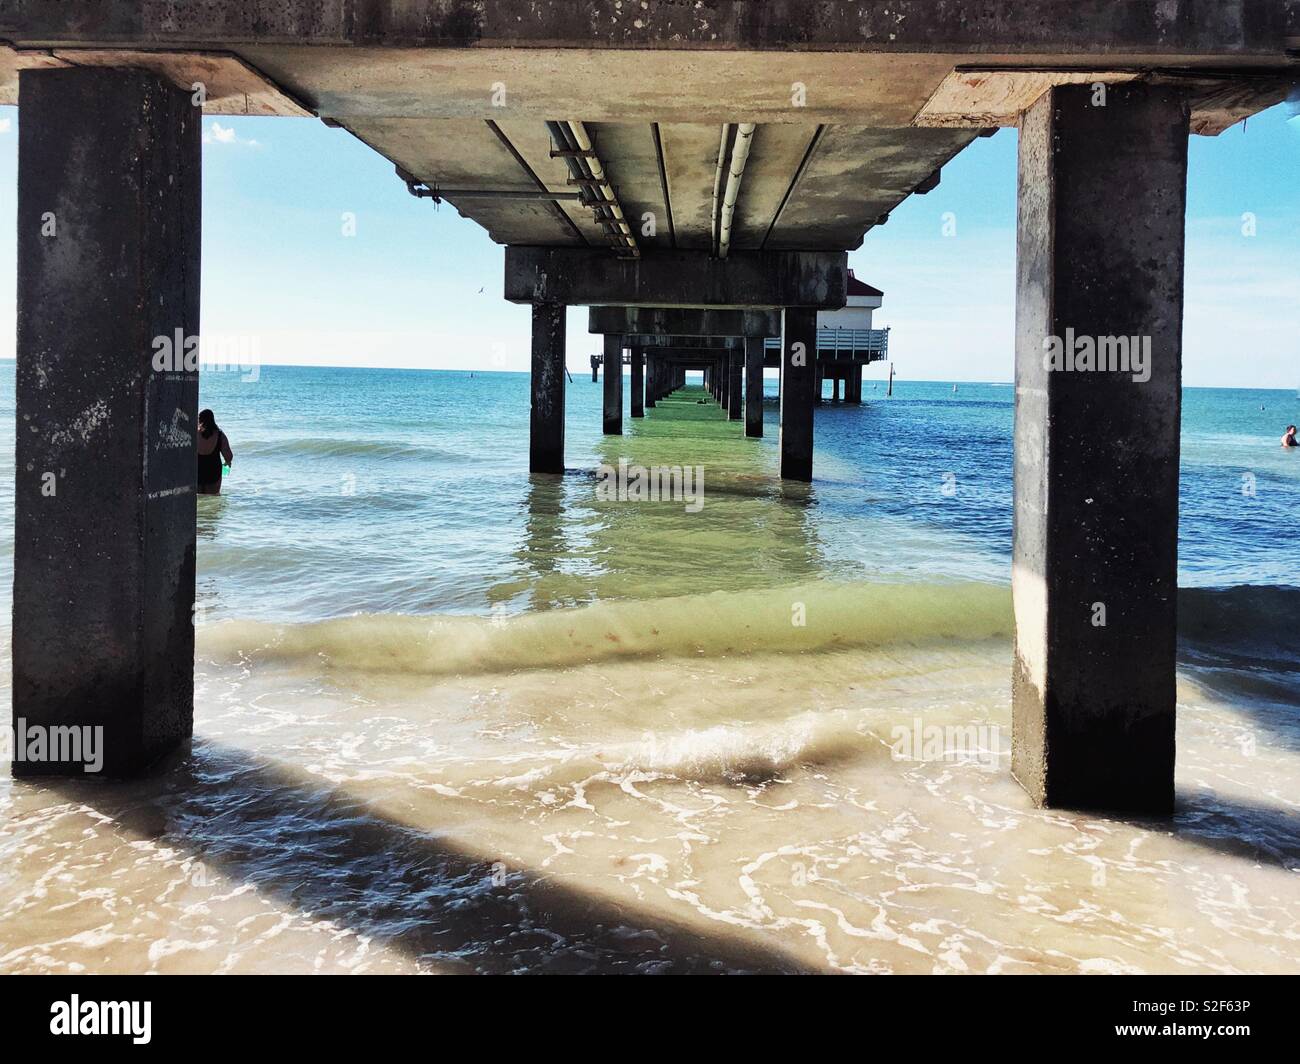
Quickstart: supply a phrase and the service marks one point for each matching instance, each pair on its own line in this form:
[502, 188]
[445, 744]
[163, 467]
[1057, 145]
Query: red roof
[861, 288]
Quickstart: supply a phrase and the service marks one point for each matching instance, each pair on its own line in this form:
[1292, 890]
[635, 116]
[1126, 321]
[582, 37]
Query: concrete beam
[696, 343]
[546, 416]
[813, 279]
[695, 358]
[1094, 576]
[683, 321]
[958, 26]
[104, 510]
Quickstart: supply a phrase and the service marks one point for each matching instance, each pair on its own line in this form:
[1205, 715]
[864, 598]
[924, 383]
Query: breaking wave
[797, 619]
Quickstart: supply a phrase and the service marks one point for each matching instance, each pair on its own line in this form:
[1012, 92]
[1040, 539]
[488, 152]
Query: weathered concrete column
[853, 384]
[638, 382]
[652, 370]
[735, 368]
[754, 386]
[1099, 256]
[613, 369]
[107, 401]
[546, 428]
[798, 391]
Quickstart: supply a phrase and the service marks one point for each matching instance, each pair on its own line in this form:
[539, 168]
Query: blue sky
[420, 286]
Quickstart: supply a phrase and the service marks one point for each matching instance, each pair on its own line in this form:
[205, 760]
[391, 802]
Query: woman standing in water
[213, 447]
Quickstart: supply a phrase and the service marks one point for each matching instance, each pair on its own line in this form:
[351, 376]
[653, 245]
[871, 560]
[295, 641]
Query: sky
[414, 285]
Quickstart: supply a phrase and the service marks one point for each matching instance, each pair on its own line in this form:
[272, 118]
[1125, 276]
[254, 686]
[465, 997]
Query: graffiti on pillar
[172, 435]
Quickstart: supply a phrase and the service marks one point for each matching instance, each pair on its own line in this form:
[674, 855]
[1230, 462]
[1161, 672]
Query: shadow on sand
[302, 841]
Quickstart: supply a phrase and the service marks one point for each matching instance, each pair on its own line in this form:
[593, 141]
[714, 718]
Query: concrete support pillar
[1099, 255]
[652, 375]
[754, 386]
[735, 376]
[638, 382]
[546, 420]
[798, 384]
[853, 384]
[613, 410]
[107, 403]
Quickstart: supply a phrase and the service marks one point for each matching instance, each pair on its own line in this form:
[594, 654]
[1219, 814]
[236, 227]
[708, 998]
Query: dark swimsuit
[210, 465]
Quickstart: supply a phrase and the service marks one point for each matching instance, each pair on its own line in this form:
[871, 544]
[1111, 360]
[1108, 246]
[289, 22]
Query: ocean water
[451, 717]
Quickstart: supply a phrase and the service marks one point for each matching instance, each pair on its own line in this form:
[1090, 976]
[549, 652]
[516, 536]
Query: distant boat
[954, 388]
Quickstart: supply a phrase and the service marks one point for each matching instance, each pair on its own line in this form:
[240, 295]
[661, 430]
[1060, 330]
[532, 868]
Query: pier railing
[864, 345]
[869, 345]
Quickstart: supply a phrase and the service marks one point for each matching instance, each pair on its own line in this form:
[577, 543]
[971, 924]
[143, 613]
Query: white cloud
[219, 134]
[6, 124]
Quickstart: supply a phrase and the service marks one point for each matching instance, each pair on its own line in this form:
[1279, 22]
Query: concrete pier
[546, 418]
[798, 392]
[1096, 452]
[107, 400]
[853, 384]
[104, 547]
[735, 382]
[754, 387]
[612, 370]
[638, 382]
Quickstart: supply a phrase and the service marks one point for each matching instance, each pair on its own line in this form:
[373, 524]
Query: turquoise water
[406, 491]
[451, 717]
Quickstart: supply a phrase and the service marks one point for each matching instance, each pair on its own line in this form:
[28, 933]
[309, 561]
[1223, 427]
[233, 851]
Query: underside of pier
[696, 173]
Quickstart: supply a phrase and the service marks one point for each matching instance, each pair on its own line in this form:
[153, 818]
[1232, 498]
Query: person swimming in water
[1288, 437]
[212, 447]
